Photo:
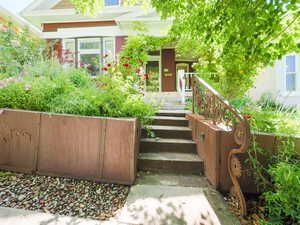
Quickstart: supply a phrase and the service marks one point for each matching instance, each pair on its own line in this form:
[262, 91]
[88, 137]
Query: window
[152, 76]
[290, 73]
[89, 54]
[108, 50]
[69, 51]
[111, 2]
[92, 53]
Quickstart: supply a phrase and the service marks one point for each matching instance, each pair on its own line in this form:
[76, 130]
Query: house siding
[49, 27]
[64, 4]
[120, 42]
[271, 80]
[57, 48]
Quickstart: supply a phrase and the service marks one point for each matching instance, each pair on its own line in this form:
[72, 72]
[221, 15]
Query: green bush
[279, 175]
[18, 50]
[49, 87]
[283, 203]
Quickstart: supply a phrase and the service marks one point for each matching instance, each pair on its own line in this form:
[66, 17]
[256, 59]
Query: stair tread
[174, 128]
[170, 156]
[168, 118]
[172, 179]
[167, 140]
[174, 111]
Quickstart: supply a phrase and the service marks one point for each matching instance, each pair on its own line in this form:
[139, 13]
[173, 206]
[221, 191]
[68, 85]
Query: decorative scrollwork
[209, 103]
[236, 166]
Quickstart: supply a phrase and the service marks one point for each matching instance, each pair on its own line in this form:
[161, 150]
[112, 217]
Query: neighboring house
[87, 39]
[18, 23]
[282, 81]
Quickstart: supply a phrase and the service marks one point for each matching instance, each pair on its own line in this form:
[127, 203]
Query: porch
[162, 72]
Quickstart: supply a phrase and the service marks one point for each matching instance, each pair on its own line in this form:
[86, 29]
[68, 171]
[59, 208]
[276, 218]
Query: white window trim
[64, 42]
[88, 51]
[287, 93]
[113, 39]
[101, 50]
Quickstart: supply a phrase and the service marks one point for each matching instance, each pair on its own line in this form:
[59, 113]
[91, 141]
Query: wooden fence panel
[71, 146]
[19, 138]
[119, 163]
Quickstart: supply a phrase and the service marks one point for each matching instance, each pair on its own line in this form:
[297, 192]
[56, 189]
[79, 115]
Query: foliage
[284, 200]
[50, 87]
[6, 174]
[236, 38]
[233, 39]
[17, 50]
[134, 56]
[269, 115]
[279, 175]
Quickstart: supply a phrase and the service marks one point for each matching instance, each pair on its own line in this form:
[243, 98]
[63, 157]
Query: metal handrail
[208, 102]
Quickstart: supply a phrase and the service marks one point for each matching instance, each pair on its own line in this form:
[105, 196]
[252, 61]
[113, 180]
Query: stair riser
[171, 114]
[166, 122]
[171, 134]
[167, 147]
[171, 166]
[172, 108]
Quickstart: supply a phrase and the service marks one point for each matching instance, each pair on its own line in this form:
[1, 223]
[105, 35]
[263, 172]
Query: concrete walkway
[156, 199]
[9, 216]
[173, 199]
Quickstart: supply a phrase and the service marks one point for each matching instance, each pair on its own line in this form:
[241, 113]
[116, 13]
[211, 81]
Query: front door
[168, 79]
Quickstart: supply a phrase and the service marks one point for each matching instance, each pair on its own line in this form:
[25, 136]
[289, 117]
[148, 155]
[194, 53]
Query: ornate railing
[208, 102]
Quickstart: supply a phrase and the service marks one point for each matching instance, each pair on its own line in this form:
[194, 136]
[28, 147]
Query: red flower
[126, 65]
[104, 69]
[146, 76]
[108, 65]
[248, 117]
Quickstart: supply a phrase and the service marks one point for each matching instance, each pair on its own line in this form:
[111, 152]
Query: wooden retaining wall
[94, 148]
[214, 145]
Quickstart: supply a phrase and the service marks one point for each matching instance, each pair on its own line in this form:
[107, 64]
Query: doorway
[168, 79]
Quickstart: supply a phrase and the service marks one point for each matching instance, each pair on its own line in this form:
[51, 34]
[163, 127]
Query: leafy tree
[233, 39]
[18, 49]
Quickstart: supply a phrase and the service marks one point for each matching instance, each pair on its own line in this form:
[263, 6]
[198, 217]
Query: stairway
[172, 150]
[170, 168]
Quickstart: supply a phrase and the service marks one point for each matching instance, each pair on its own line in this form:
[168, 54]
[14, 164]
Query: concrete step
[185, 163]
[167, 145]
[172, 179]
[172, 132]
[177, 113]
[169, 121]
[172, 106]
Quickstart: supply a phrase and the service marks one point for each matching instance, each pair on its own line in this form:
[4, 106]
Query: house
[83, 39]
[18, 23]
[282, 81]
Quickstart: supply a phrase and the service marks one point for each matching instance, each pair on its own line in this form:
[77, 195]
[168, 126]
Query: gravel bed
[62, 196]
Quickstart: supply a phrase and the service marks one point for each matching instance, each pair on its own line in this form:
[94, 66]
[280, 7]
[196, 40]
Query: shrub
[283, 203]
[49, 87]
[279, 175]
[17, 50]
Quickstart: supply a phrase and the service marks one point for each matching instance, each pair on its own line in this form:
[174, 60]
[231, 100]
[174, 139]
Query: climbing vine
[135, 54]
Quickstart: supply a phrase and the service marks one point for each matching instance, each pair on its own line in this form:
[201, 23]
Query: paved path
[10, 216]
[156, 199]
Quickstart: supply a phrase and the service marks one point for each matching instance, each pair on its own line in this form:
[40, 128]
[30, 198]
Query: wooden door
[168, 79]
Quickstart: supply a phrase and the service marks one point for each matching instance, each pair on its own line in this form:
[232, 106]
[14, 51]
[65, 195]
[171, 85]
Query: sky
[15, 6]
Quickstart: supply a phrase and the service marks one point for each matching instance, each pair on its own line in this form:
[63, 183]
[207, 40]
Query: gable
[63, 4]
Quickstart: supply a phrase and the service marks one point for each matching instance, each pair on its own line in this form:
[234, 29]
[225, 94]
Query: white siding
[272, 80]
